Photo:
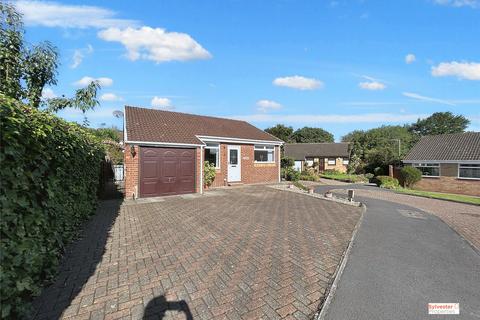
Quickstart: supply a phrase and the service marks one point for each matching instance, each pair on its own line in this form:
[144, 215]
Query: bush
[287, 162]
[387, 182]
[379, 171]
[409, 176]
[49, 181]
[208, 173]
[291, 174]
[369, 176]
[308, 175]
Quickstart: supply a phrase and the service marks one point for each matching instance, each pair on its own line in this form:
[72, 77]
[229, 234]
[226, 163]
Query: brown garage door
[166, 171]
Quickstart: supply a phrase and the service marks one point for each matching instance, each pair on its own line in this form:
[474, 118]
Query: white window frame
[212, 145]
[428, 165]
[345, 161]
[466, 178]
[264, 147]
[334, 161]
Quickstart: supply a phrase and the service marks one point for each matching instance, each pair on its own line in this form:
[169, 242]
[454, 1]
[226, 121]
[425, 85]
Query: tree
[440, 123]
[309, 135]
[381, 146]
[281, 131]
[25, 71]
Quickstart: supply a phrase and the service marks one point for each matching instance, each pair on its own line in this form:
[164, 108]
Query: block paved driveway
[244, 253]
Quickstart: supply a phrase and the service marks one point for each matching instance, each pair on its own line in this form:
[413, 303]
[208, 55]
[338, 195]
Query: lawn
[442, 196]
[344, 177]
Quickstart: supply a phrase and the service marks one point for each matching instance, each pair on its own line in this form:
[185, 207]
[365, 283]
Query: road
[402, 259]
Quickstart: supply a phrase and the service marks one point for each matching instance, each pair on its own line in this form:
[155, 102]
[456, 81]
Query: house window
[428, 169]
[469, 171]
[332, 161]
[212, 154]
[346, 161]
[264, 153]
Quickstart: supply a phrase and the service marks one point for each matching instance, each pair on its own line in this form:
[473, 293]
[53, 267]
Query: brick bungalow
[164, 152]
[329, 156]
[449, 163]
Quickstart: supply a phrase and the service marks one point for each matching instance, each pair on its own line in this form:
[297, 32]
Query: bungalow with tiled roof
[449, 163]
[164, 152]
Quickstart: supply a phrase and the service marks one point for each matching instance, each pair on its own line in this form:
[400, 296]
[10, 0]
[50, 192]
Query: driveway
[402, 259]
[242, 253]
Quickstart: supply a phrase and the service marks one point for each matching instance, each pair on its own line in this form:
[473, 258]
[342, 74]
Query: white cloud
[156, 44]
[371, 84]
[266, 105]
[54, 14]
[85, 81]
[427, 99]
[332, 118]
[410, 58]
[459, 3]
[79, 54]
[461, 70]
[298, 82]
[165, 103]
[110, 97]
[47, 93]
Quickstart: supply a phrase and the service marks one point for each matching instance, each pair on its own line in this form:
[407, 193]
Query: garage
[166, 171]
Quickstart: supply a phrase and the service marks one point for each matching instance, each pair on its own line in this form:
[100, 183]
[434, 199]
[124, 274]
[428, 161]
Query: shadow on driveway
[79, 262]
[157, 307]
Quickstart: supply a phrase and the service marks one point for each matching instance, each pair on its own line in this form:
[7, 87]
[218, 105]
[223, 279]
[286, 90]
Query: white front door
[234, 168]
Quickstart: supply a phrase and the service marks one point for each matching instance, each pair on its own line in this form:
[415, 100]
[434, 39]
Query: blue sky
[339, 65]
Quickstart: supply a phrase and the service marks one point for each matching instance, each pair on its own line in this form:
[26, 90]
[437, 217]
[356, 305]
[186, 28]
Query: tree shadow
[79, 262]
[158, 306]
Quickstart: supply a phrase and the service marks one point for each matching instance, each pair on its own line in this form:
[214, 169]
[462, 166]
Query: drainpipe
[201, 169]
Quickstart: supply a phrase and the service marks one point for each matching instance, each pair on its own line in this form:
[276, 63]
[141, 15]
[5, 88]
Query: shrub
[287, 162]
[331, 172]
[378, 171]
[308, 175]
[369, 176]
[387, 182]
[208, 173]
[291, 174]
[409, 176]
[49, 181]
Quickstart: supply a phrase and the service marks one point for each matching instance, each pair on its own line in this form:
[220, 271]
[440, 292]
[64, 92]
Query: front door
[234, 168]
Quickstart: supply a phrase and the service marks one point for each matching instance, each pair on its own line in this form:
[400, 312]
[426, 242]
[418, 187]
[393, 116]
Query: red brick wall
[131, 171]
[450, 185]
[251, 172]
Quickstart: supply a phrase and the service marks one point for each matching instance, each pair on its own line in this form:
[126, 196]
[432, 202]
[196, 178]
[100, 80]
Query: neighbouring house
[323, 156]
[165, 152]
[449, 163]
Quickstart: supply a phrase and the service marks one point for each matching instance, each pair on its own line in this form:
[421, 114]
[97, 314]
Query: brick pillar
[131, 171]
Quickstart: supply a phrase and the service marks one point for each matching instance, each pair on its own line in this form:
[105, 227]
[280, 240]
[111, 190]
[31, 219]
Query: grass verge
[441, 196]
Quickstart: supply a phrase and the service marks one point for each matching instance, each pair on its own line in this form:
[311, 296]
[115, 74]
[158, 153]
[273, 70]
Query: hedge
[48, 187]
[387, 182]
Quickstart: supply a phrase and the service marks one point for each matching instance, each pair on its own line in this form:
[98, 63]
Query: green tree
[25, 71]
[309, 135]
[440, 123]
[281, 131]
[381, 146]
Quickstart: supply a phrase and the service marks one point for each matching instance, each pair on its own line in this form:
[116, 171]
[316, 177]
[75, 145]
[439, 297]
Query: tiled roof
[456, 146]
[149, 125]
[299, 151]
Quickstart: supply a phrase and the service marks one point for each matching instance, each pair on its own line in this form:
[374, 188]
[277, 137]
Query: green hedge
[48, 186]
[387, 182]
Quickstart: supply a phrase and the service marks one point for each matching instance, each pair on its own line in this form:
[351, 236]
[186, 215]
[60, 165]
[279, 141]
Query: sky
[338, 65]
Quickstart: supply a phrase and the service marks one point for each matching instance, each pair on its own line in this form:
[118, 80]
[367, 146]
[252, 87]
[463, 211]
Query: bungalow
[329, 156]
[164, 152]
[449, 163]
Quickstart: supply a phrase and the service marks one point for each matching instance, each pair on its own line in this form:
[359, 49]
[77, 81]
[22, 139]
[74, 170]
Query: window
[469, 171]
[332, 161]
[428, 169]
[346, 161]
[264, 153]
[212, 154]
